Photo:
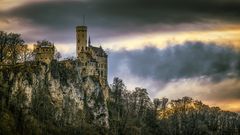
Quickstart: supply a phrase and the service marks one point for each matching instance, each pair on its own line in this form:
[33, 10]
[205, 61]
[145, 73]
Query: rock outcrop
[57, 92]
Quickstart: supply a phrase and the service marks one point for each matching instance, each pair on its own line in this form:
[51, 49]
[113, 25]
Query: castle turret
[81, 36]
[89, 41]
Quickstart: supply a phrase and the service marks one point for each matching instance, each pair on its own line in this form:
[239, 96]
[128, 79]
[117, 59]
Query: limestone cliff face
[58, 92]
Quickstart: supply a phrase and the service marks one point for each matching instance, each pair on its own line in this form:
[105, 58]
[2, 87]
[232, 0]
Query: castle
[92, 60]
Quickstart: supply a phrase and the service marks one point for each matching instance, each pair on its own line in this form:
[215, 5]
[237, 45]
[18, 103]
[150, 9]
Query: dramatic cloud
[191, 59]
[121, 12]
[108, 18]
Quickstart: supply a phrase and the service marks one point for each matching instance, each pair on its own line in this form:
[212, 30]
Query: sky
[174, 48]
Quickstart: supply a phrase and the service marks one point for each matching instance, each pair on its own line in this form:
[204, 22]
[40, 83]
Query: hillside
[41, 99]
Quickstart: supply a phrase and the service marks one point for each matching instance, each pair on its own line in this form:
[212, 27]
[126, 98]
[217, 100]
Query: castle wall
[44, 53]
[102, 67]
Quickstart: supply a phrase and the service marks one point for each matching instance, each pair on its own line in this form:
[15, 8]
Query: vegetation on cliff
[37, 98]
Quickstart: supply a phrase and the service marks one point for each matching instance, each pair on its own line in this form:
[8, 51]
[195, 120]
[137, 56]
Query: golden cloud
[224, 35]
[225, 94]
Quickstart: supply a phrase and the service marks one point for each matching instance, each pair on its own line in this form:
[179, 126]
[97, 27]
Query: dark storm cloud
[109, 16]
[125, 11]
[192, 59]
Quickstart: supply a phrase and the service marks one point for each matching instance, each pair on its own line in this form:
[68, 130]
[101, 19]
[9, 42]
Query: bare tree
[15, 43]
[12, 48]
[3, 45]
[25, 54]
[57, 55]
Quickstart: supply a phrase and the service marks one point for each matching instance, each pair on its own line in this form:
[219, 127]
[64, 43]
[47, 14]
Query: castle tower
[81, 36]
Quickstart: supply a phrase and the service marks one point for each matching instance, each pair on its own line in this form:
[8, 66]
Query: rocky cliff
[55, 93]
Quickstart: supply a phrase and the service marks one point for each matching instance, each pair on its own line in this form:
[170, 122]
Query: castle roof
[99, 51]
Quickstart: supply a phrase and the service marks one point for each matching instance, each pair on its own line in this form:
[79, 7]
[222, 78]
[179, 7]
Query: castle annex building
[44, 52]
[93, 60]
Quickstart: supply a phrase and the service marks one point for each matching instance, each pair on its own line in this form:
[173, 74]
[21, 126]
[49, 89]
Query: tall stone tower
[93, 60]
[81, 36]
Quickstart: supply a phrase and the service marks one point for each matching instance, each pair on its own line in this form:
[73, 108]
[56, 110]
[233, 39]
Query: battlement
[79, 28]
